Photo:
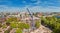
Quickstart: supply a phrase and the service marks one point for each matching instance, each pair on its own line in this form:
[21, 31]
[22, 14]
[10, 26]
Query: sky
[32, 5]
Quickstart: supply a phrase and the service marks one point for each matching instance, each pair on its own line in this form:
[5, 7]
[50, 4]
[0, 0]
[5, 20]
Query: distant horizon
[26, 11]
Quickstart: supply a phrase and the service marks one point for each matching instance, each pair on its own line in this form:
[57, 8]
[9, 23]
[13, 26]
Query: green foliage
[56, 30]
[7, 23]
[0, 25]
[37, 24]
[27, 26]
[18, 31]
[23, 25]
[53, 23]
[13, 25]
[4, 26]
[11, 19]
[7, 31]
[35, 14]
[19, 25]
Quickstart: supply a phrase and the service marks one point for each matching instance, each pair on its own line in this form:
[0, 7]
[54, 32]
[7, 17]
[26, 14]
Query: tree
[56, 30]
[26, 26]
[37, 24]
[7, 31]
[18, 30]
[13, 25]
[4, 26]
[52, 22]
[23, 25]
[7, 23]
[0, 25]
[12, 19]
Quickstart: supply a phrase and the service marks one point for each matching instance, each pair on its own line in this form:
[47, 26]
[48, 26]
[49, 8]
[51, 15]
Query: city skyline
[33, 5]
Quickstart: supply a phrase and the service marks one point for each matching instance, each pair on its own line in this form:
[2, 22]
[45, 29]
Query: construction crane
[32, 21]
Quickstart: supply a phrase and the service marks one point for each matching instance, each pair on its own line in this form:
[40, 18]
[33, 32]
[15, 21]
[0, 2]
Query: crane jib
[31, 15]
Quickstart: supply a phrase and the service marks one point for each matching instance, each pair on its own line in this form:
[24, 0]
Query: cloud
[41, 6]
[30, 2]
[34, 0]
[38, 2]
[46, 9]
[4, 8]
[24, 2]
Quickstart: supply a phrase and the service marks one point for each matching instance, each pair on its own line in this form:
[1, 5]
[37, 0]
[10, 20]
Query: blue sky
[33, 5]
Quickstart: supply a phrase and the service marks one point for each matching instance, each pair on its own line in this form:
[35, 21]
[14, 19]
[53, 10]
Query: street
[42, 29]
